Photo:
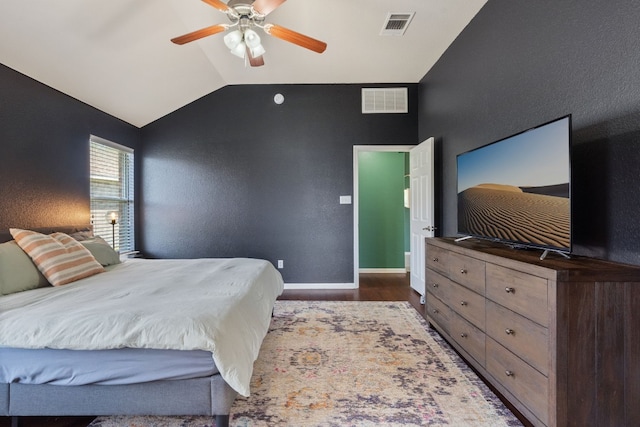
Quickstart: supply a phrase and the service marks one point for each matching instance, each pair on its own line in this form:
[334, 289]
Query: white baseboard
[383, 270]
[305, 286]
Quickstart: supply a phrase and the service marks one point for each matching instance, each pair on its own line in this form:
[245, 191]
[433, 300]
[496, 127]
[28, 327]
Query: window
[112, 196]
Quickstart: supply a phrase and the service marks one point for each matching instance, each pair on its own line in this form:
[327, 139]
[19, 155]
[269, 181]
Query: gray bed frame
[200, 396]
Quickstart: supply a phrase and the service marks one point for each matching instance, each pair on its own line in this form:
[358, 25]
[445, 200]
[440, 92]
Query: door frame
[357, 149]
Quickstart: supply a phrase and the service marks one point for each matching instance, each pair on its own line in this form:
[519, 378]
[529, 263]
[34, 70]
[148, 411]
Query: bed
[142, 337]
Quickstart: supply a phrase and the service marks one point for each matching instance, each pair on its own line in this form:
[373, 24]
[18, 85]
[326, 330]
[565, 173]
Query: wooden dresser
[559, 338]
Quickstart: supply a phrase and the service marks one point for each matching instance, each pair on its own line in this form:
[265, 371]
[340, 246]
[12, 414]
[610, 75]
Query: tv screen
[516, 190]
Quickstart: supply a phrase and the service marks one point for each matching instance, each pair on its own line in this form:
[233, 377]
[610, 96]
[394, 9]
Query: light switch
[345, 200]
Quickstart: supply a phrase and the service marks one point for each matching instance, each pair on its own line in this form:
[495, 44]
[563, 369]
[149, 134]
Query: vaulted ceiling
[116, 55]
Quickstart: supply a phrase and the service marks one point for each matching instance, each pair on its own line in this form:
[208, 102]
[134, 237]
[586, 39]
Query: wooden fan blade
[204, 32]
[265, 7]
[222, 7]
[258, 61]
[295, 38]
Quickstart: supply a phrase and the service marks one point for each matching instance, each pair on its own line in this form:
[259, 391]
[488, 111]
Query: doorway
[363, 150]
[421, 204]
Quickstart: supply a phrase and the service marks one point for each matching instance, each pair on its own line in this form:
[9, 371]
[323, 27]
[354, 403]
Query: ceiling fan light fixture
[240, 50]
[233, 39]
[257, 51]
[251, 38]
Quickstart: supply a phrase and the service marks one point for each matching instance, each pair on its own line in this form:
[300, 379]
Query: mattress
[220, 306]
[102, 367]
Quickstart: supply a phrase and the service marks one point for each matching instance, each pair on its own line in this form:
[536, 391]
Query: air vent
[396, 24]
[385, 100]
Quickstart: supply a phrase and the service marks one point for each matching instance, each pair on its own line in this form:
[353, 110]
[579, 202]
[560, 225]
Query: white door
[421, 196]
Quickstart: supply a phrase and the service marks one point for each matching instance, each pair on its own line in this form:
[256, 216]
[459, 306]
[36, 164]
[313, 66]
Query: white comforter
[220, 305]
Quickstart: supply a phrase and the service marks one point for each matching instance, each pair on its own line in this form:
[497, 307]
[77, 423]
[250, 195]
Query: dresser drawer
[437, 259]
[523, 293]
[468, 304]
[528, 385]
[467, 271]
[525, 338]
[438, 311]
[438, 285]
[469, 337]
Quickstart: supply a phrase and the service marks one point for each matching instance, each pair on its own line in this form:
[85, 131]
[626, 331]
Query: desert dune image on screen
[517, 189]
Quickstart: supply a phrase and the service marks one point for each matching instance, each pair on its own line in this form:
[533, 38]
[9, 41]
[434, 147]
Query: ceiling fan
[244, 41]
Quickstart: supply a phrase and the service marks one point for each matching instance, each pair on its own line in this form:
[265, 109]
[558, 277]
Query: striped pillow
[60, 258]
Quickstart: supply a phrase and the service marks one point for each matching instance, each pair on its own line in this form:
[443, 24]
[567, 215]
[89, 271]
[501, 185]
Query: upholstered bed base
[200, 396]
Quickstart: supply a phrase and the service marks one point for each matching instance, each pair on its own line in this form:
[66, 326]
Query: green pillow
[17, 271]
[101, 251]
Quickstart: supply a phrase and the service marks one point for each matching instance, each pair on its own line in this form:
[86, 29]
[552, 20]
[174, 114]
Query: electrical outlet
[280, 263]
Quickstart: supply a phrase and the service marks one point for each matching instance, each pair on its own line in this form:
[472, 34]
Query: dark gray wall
[520, 64]
[44, 147]
[234, 174]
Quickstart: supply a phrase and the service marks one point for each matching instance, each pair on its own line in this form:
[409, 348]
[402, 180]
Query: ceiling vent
[396, 24]
[385, 100]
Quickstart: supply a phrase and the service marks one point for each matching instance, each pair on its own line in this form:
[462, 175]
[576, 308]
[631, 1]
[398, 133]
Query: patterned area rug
[353, 364]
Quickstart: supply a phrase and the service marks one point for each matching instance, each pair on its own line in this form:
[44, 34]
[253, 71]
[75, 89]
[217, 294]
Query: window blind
[112, 195]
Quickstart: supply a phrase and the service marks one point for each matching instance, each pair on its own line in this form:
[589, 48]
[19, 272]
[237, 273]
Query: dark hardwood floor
[372, 287]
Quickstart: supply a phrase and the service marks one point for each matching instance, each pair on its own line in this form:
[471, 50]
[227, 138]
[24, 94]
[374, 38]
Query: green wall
[382, 215]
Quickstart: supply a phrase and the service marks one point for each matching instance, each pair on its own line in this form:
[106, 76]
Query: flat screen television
[517, 190]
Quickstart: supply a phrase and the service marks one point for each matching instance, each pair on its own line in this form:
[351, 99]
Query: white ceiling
[116, 55]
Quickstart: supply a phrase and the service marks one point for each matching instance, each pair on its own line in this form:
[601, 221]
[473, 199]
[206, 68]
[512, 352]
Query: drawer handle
[435, 260]
[509, 373]
[509, 290]
[463, 271]
[435, 285]
[463, 303]
[463, 335]
[509, 331]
